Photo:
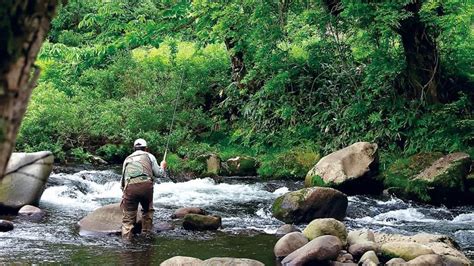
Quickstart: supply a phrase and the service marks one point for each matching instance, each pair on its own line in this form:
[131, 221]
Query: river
[244, 205]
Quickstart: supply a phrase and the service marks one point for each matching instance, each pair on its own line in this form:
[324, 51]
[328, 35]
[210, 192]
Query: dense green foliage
[285, 81]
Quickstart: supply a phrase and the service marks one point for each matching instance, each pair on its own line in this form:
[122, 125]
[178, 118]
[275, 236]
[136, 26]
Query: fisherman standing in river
[138, 171]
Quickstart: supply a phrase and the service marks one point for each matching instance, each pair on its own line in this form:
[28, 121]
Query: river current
[243, 204]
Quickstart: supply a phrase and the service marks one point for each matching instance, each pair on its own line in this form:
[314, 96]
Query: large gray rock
[25, 179]
[350, 170]
[181, 260]
[231, 262]
[201, 222]
[445, 179]
[105, 220]
[426, 260]
[305, 205]
[322, 248]
[326, 226]
[358, 249]
[289, 243]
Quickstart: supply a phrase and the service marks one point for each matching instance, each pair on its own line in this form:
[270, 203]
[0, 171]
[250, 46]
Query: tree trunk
[421, 55]
[237, 61]
[24, 25]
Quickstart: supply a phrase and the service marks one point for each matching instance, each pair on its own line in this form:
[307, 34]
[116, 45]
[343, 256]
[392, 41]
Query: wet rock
[6, 226]
[350, 170]
[404, 250]
[448, 252]
[319, 249]
[181, 260]
[360, 248]
[212, 164]
[449, 260]
[240, 166]
[361, 235]
[426, 260]
[163, 226]
[305, 205]
[369, 256]
[289, 243]
[326, 226]
[181, 212]
[31, 211]
[337, 263]
[396, 262]
[286, 229]
[25, 179]
[231, 262]
[444, 180]
[97, 160]
[344, 257]
[201, 222]
[105, 220]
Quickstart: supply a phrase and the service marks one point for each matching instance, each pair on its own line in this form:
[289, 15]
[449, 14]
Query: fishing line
[174, 115]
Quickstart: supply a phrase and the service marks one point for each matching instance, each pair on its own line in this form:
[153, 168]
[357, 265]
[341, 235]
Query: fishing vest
[138, 168]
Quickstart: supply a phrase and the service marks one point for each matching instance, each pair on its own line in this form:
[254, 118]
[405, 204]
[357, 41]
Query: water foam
[464, 218]
[396, 217]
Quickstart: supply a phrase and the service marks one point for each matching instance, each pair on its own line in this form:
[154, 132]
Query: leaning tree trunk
[421, 56]
[23, 25]
[237, 61]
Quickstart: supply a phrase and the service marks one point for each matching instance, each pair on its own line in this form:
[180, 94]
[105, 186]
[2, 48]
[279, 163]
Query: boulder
[360, 235]
[181, 212]
[25, 179]
[181, 260]
[201, 222]
[105, 220]
[286, 229]
[449, 260]
[350, 170]
[443, 182]
[326, 226]
[31, 211]
[322, 248]
[240, 166]
[305, 205]
[231, 262]
[289, 243]
[426, 260]
[396, 262]
[404, 250]
[358, 249]
[448, 253]
[6, 226]
[212, 164]
[369, 256]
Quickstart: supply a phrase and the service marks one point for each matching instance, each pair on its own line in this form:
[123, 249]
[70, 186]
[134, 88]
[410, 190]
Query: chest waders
[138, 189]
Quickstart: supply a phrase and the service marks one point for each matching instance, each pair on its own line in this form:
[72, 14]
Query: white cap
[139, 143]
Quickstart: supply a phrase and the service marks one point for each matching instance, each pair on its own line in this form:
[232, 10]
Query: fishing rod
[174, 115]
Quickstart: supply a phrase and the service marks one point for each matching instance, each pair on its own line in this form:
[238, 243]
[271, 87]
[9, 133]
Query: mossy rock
[201, 222]
[305, 205]
[240, 166]
[404, 250]
[326, 226]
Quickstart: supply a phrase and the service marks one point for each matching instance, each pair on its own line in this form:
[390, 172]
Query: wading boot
[147, 222]
[128, 220]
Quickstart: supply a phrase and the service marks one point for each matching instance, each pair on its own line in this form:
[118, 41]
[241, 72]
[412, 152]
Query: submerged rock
[319, 249]
[181, 260]
[6, 226]
[181, 212]
[350, 170]
[231, 262]
[105, 220]
[326, 226]
[307, 204]
[289, 243]
[25, 179]
[201, 222]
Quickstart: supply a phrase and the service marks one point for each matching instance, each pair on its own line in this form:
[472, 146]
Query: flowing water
[244, 204]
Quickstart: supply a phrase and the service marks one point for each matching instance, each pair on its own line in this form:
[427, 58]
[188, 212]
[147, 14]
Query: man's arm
[157, 170]
[122, 179]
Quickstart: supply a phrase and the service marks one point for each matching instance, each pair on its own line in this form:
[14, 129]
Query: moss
[276, 207]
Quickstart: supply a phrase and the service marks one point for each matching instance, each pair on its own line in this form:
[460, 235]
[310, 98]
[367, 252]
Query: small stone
[369, 256]
[181, 212]
[426, 260]
[31, 211]
[163, 226]
[181, 260]
[231, 261]
[286, 229]
[396, 261]
[360, 248]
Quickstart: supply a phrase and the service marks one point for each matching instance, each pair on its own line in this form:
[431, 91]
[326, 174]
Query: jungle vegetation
[286, 81]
